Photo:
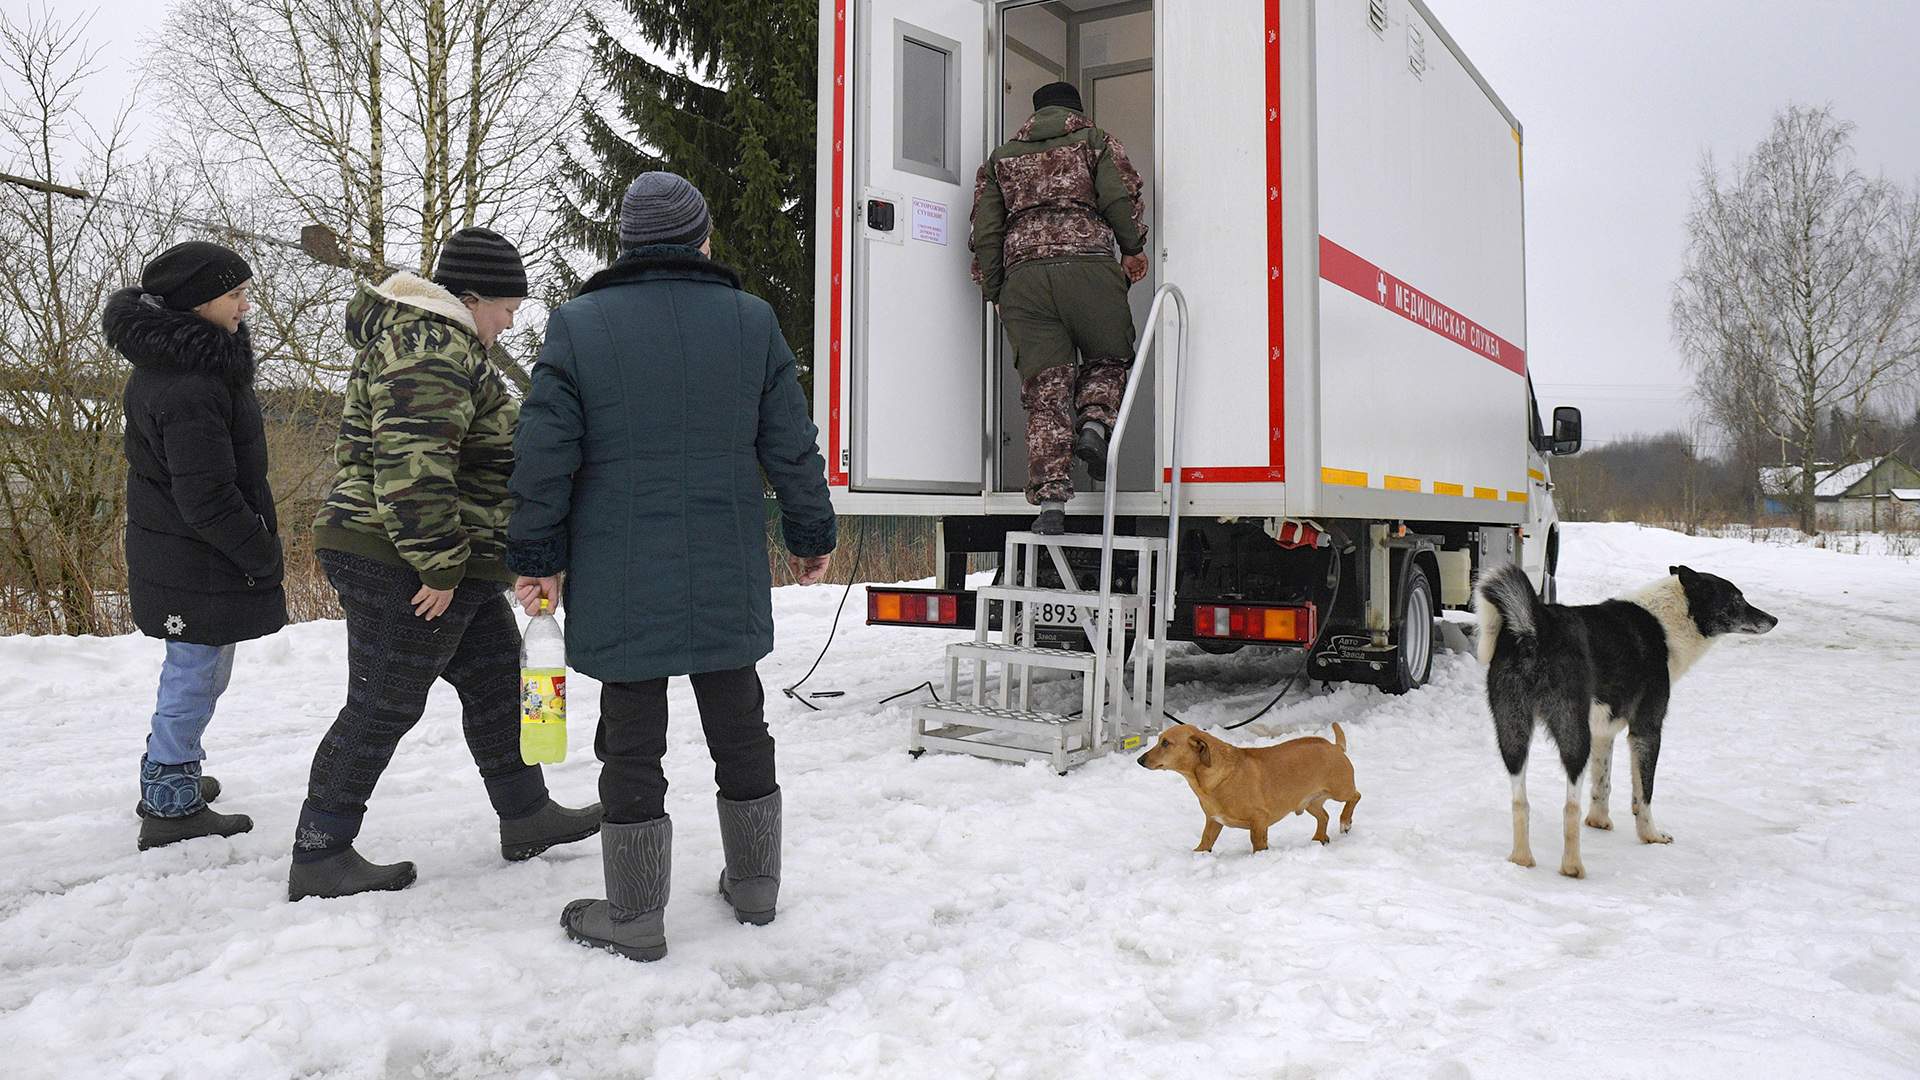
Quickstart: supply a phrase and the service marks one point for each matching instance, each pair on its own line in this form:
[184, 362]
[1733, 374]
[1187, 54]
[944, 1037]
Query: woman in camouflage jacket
[412, 537]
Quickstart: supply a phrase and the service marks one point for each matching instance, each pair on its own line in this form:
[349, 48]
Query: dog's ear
[1201, 750]
[1684, 573]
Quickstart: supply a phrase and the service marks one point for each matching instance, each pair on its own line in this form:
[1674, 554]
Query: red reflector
[913, 609]
[1246, 623]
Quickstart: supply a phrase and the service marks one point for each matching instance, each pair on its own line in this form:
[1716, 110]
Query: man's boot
[1090, 446]
[326, 866]
[631, 921]
[176, 810]
[1052, 520]
[750, 836]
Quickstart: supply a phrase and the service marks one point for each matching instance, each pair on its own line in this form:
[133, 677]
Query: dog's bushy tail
[1339, 737]
[1504, 599]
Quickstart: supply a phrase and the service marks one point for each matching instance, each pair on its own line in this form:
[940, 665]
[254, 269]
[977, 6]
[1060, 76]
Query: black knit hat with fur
[187, 275]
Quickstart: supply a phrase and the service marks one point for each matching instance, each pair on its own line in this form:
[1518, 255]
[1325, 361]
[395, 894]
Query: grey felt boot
[638, 861]
[750, 834]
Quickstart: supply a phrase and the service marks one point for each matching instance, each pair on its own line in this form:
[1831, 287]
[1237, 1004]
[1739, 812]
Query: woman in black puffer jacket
[203, 545]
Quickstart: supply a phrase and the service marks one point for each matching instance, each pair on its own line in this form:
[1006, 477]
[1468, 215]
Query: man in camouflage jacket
[413, 539]
[426, 440]
[1048, 209]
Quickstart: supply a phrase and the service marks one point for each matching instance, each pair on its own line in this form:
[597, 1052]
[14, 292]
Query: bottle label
[543, 695]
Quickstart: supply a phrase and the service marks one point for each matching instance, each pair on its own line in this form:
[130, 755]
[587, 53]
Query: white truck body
[1335, 188]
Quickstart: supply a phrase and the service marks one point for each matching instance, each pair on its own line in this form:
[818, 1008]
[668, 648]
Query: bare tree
[62, 474]
[1801, 288]
[391, 122]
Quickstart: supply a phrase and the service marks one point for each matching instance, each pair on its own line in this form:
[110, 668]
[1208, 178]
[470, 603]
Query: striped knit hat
[482, 262]
[663, 208]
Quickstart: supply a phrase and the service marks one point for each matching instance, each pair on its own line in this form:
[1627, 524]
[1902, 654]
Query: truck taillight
[1243, 622]
[913, 608]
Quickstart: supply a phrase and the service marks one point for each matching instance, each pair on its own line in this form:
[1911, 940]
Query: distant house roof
[1830, 482]
[1911, 495]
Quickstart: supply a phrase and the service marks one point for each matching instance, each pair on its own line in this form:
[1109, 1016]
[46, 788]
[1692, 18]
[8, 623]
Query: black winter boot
[750, 835]
[156, 831]
[325, 864]
[1052, 520]
[638, 862]
[1090, 446]
[345, 873]
[176, 808]
[209, 791]
[524, 837]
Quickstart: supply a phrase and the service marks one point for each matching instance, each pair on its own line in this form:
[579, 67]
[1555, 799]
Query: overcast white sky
[1619, 99]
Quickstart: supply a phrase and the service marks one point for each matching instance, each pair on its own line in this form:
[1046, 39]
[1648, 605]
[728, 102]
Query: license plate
[1067, 615]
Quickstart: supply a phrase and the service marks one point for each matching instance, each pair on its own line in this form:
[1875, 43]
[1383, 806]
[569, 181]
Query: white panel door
[919, 409]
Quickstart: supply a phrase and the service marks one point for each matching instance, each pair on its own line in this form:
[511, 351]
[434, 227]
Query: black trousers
[393, 659]
[632, 739]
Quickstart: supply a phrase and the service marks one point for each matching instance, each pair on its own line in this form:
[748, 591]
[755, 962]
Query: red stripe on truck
[1371, 283]
[836, 470]
[1276, 251]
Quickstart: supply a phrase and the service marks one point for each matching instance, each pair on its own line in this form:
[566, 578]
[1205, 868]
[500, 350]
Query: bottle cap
[545, 604]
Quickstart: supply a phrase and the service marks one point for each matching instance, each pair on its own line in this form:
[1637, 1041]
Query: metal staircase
[1123, 682]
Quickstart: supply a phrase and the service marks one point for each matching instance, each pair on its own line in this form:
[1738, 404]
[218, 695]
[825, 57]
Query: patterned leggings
[1093, 389]
[393, 658]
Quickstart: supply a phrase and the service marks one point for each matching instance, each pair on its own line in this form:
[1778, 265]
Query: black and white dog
[1588, 673]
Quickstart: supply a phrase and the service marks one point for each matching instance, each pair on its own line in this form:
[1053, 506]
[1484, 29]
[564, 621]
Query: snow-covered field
[955, 917]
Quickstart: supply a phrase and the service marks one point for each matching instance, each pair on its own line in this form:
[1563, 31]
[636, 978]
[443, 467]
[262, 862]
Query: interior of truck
[1105, 47]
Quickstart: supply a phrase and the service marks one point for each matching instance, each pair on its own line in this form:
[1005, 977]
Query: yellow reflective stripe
[1536, 474]
[1448, 489]
[1487, 493]
[1343, 476]
[1516, 496]
[1402, 483]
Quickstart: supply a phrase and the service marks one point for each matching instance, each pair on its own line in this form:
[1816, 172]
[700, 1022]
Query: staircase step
[994, 718]
[1090, 540]
[1026, 655]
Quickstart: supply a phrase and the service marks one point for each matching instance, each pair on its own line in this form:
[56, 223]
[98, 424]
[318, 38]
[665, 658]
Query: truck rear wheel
[1412, 634]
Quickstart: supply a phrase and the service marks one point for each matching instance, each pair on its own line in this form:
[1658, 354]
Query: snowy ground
[955, 917]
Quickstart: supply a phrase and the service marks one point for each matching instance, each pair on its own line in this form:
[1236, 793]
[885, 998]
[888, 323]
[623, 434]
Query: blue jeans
[191, 681]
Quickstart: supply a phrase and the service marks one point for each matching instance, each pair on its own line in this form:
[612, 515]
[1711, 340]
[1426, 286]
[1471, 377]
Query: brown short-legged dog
[1252, 787]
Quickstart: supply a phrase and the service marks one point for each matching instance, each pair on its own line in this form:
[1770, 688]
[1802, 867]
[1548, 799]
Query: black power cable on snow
[853, 575]
[1338, 573]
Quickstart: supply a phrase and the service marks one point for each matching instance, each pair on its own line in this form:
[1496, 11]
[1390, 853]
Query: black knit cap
[1058, 93]
[187, 275]
[482, 262]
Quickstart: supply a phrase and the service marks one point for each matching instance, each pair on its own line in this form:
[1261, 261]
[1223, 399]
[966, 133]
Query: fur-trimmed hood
[376, 309]
[152, 336]
[661, 261]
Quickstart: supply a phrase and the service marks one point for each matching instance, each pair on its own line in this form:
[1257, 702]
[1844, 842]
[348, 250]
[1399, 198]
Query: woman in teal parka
[664, 402]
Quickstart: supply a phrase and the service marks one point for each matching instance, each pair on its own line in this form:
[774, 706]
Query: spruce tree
[735, 115]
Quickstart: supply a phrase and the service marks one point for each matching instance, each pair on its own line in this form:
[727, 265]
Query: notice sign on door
[930, 221]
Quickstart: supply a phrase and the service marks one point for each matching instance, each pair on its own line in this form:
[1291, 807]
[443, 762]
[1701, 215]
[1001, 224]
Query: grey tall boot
[750, 835]
[638, 861]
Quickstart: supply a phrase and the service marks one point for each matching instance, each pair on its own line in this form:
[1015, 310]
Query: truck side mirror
[1566, 430]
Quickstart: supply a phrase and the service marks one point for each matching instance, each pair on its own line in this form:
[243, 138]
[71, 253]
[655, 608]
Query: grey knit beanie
[663, 208]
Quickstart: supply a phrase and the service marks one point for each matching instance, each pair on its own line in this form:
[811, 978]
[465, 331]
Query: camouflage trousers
[1058, 400]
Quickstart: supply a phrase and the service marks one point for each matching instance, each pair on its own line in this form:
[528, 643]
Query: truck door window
[926, 104]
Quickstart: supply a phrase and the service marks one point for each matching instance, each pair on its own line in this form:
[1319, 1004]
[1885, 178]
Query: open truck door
[917, 385]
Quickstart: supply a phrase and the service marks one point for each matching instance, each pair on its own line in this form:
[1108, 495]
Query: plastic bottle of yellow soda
[543, 689]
